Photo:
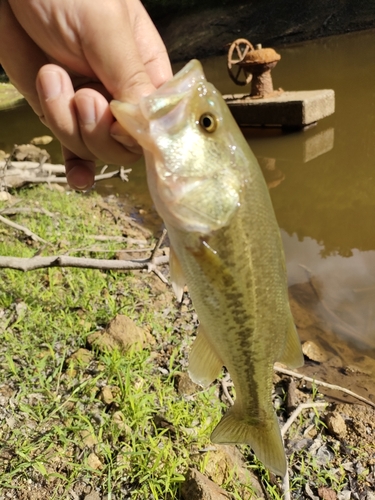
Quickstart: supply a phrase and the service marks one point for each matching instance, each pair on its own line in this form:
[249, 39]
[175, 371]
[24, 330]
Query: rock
[326, 493]
[185, 386]
[94, 462]
[122, 333]
[106, 395]
[336, 424]
[344, 495]
[82, 356]
[199, 487]
[323, 456]
[314, 352]
[119, 420]
[94, 495]
[5, 196]
[88, 439]
[79, 359]
[29, 152]
[226, 462]
[42, 140]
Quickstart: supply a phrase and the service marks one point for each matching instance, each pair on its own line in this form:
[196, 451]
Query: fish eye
[208, 122]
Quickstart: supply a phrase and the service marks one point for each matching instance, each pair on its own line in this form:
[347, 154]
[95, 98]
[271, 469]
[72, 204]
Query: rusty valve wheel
[237, 61]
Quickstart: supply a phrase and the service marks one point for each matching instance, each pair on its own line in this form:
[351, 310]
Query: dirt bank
[207, 32]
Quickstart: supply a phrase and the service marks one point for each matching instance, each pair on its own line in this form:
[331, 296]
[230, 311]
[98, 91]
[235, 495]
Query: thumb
[123, 48]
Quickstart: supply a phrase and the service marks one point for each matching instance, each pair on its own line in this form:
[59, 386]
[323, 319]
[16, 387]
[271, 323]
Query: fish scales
[225, 245]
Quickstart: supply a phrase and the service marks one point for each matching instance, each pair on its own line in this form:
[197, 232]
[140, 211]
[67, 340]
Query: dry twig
[20, 210]
[291, 373]
[30, 264]
[225, 384]
[24, 229]
[152, 266]
[296, 412]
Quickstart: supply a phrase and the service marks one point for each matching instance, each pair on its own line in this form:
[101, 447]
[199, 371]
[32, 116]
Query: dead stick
[296, 412]
[30, 264]
[23, 229]
[14, 211]
[323, 384]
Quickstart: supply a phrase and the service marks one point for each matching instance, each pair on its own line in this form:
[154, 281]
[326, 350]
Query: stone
[312, 351]
[185, 386]
[122, 333]
[29, 152]
[199, 487]
[42, 140]
[94, 495]
[106, 395]
[88, 439]
[79, 359]
[5, 196]
[118, 419]
[336, 424]
[227, 461]
[94, 462]
[326, 493]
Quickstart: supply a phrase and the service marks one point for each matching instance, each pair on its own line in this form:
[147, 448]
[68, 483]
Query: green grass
[57, 434]
[46, 316]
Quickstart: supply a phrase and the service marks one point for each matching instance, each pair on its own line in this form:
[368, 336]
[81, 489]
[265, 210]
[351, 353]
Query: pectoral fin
[177, 277]
[292, 354]
[204, 364]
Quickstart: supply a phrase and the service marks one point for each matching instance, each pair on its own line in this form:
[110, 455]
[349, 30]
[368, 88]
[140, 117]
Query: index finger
[125, 50]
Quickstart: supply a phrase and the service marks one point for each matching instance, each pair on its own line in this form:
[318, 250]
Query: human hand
[69, 58]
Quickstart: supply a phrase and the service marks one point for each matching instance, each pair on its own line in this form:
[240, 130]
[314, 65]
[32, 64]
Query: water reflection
[344, 287]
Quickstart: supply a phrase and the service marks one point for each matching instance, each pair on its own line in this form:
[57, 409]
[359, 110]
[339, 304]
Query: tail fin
[263, 437]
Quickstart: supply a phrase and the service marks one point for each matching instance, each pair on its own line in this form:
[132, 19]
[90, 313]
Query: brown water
[322, 183]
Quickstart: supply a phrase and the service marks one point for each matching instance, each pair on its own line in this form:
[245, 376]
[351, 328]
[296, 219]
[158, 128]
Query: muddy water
[322, 183]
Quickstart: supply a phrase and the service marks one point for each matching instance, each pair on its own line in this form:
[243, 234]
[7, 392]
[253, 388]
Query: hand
[69, 58]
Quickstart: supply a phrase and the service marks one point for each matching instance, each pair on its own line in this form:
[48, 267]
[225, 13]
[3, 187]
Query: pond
[322, 184]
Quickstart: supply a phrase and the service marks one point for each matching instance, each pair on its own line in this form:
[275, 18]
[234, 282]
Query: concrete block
[296, 109]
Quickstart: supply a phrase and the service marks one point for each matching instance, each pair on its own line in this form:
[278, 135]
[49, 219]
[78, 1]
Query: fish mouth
[165, 101]
[172, 92]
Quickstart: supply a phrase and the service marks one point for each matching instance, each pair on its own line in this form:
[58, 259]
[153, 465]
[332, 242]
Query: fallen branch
[296, 412]
[30, 264]
[225, 384]
[24, 174]
[14, 211]
[23, 229]
[117, 239]
[32, 165]
[152, 265]
[291, 373]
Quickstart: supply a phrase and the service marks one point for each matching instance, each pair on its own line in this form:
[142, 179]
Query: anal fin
[292, 355]
[177, 277]
[204, 364]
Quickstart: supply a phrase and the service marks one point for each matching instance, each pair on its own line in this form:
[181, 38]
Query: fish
[225, 245]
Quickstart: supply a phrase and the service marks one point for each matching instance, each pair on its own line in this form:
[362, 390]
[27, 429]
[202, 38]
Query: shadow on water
[322, 184]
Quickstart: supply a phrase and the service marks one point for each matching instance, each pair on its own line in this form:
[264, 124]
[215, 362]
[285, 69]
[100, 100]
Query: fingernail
[86, 109]
[51, 84]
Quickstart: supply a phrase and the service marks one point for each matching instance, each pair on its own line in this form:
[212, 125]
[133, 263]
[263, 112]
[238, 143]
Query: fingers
[122, 49]
[22, 63]
[80, 173]
[150, 45]
[81, 121]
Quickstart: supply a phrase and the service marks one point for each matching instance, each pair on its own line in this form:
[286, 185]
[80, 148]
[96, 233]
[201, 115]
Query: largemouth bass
[207, 186]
